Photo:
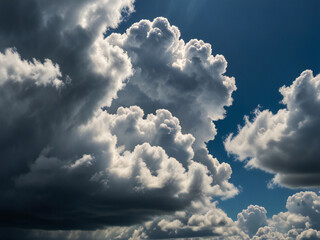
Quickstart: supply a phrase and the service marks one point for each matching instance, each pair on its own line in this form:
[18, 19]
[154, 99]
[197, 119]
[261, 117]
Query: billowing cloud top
[285, 143]
[184, 78]
[74, 159]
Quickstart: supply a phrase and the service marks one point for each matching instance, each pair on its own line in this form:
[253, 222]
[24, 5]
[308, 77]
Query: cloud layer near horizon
[300, 221]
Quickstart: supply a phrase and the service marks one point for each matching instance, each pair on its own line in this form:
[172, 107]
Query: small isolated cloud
[285, 143]
[202, 220]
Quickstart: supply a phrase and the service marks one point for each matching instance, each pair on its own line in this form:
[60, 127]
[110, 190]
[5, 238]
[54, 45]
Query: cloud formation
[68, 165]
[104, 138]
[285, 143]
[252, 218]
[13, 68]
[300, 221]
[185, 78]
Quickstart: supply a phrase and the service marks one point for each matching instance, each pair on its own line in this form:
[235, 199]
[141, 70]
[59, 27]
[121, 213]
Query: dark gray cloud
[68, 165]
[195, 222]
[285, 143]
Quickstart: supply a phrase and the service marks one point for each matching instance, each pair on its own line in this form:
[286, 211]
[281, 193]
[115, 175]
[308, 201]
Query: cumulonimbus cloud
[103, 138]
[67, 164]
[285, 143]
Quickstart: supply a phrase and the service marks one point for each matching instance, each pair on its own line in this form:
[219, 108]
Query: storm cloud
[103, 136]
[72, 161]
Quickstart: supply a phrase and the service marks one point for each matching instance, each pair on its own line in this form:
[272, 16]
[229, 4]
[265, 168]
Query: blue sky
[267, 45]
[106, 112]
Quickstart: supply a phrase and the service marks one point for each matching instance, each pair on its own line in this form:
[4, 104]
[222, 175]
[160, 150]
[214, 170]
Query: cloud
[300, 221]
[70, 167]
[194, 222]
[285, 143]
[252, 218]
[309, 234]
[13, 68]
[91, 179]
[306, 204]
[185, 78]
[265, 233]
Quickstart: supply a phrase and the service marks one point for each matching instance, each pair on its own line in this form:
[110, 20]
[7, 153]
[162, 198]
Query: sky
[267, 45]
[159, 119]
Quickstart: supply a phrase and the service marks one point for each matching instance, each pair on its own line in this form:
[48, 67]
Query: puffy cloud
[306, 204]
[69, 165]
[266, 233]
[195, 222]
[34, 115]
[285, 221]
[184, 78]
[285, 143]
[301, 221]
[161, 129]
[66, 32]
[252, 218]
[309, 234]
[113, 179]
[13, 68]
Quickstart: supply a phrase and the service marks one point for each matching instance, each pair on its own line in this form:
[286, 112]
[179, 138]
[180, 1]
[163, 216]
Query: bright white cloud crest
[184, 78]
[13, 68]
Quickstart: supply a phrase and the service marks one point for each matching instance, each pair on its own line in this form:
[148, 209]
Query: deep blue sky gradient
[267, 45]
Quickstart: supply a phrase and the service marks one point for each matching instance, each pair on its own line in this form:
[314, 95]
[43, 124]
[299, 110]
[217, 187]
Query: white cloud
[251, 219]
[306, 204]
[184, 78]
[86, 160]
[299, 222]
[266, 233]
[13, 68]
[310, 234]
[285, 143]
